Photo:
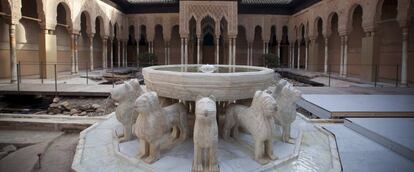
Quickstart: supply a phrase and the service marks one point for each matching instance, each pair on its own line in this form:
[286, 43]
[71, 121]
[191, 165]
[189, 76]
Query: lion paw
[214, 168]
[150, 159]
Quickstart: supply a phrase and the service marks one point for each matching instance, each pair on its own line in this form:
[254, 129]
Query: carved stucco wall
[215, 9]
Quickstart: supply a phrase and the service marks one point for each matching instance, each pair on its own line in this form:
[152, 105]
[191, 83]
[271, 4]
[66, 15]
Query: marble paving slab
[99, 150]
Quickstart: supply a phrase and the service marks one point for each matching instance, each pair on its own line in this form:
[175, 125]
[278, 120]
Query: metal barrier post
[56, 94]
[20, 72]
[18, 77]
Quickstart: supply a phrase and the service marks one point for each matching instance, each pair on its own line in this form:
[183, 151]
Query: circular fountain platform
[99, 150]
[227, 83]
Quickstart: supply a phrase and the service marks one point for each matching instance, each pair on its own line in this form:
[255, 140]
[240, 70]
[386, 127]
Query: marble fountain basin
[227, 83]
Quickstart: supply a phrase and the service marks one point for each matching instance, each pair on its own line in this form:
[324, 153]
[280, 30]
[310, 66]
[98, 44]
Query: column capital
[91, 35]
[404, 31]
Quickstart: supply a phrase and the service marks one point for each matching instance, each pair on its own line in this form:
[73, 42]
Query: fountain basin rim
[260, 70]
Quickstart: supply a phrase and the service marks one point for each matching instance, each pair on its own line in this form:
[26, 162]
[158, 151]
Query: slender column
[126, 53]
[229, 57]
[137, 52]
[404, 57]
[76, 39]
[186, 50]
[290, 55]
[73, 61]
[217, 50]
[234, 51]
[278, 52]
[326, 56]
[306, 55]
[248, 55]
[251, 54]
[13, 59]
[165, 53]
[298, 55]
[250, 47]
[91, 51]
[264, 47]
[198, 49]
[345, 68]
[293, 56]
[149, 47]
[104, 53]
[168, 52]
[182, 51]
[111, 53]
[341, 62]
[119, 53]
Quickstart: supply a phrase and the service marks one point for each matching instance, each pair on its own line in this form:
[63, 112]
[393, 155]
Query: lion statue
[275, 91]
[126, 114]
[286, 110]
[205, 135]
[155, 122]
[257, 120]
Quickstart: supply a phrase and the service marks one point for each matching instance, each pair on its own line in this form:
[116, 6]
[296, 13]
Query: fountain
[189, 120]
[227, 83]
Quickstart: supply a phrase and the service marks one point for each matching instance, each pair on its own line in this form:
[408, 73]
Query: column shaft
[198, 49]
[111, 53]
[345, 68]
[341, 61]
[306, 55]
[217, 50]
[326, 56]
[278, 53]
[104, 53]
[186, 50]
[13, 58]
[404, 57]
[182, 51]
[73, 55]
[298, 55]
[119, 53]
[234, 51]
[76, 54]
[248, 55]
[126, 53]
[91, 51]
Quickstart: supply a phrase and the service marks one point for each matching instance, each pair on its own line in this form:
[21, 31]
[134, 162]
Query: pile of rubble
[66, 108]
[7, 150]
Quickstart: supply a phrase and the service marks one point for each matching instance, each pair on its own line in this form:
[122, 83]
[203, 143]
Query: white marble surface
[98, 150]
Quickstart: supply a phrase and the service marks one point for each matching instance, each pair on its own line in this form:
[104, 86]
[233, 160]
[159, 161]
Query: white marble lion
[126, 114]
[286, 110]
[258, 121]
[155, 122]
[205, 135]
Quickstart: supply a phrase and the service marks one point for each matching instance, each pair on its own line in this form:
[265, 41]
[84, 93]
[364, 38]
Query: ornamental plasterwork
[215, 9]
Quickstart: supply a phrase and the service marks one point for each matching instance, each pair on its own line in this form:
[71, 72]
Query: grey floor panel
[362, 103]
[358, 153]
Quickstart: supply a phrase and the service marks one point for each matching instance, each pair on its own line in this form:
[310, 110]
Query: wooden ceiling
[283, 7]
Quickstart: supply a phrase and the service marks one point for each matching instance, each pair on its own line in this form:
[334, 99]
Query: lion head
[289, 95]
[264, 102]
[206, 108]
[121, 92]
[147, 102]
